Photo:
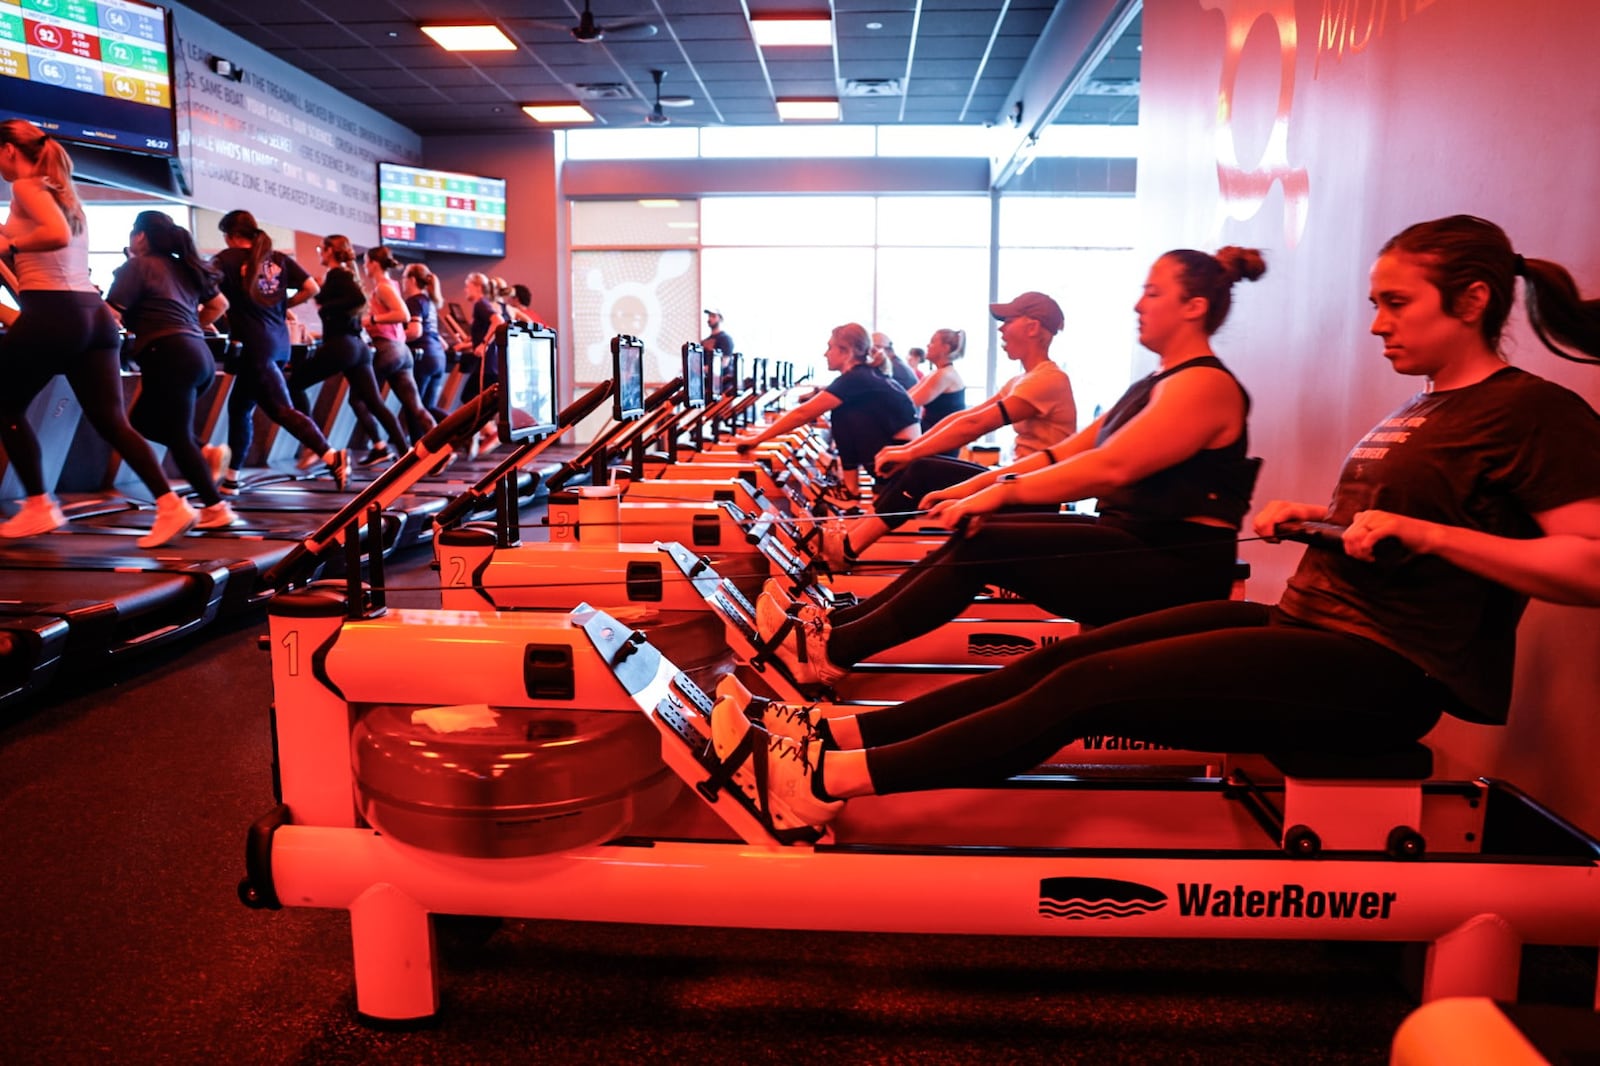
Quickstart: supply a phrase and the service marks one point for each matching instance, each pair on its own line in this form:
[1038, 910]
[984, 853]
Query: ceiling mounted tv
[91, 72]
[426, 210]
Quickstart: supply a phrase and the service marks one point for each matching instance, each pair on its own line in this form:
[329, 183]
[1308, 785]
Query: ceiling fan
[589, 29]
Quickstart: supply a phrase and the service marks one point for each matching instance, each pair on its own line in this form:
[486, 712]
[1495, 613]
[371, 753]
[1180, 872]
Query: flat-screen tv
[425, 210]
[92, 71]
[694, 375]
[527, 357]
[627, 375]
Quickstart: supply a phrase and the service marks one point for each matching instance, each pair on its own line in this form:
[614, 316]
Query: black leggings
[344, 354]
[428, 371]
[258, 379]
[175, 371]
[899, 496]
[71, 333]
[1073, 566]
[392, 364]
[1229, 676]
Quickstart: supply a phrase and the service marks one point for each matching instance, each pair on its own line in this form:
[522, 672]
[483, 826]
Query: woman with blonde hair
[867, 411]
[63, 327]
[429, 354]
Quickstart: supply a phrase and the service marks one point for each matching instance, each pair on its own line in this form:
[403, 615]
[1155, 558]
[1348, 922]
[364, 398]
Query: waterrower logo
[1096, 897]
[998, 645]
[1078, 898]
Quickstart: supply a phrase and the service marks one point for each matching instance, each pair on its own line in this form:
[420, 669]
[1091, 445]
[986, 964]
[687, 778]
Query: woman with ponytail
[261, 284]
[341, 304]
[63, 328]
[941, 392]
[429, 353]
[385, 323]
[1169, 463]
[167, 297]
[1478, 483]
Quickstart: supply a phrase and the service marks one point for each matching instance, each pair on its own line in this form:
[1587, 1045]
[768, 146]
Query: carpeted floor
[123, 805]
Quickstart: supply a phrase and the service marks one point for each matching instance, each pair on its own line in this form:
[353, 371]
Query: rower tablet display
[627, 372]
[694, 374]
[527, 356]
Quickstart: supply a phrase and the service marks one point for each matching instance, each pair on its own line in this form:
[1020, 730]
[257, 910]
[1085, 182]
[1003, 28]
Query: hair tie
[1519, 266]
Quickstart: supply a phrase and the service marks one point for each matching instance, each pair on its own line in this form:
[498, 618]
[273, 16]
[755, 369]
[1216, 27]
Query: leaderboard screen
[440, 211]
[92, 71]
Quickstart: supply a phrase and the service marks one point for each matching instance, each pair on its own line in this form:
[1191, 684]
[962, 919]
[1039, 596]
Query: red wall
[1386, 112]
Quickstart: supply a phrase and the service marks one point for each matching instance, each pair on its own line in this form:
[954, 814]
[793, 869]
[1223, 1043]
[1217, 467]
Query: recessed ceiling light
[557, 113]
[802, 31]
[658, 203]
[683, 225]
[874, 25]
[481, 37]
[808, 110]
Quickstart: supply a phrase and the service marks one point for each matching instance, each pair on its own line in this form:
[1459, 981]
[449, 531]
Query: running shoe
[174, 518]
[803, 648]
[377, 454]
[217, 516]
[793, 720]
[39, 514]
[217, 457]
[229, 487]
[339, 467]
[790, 800]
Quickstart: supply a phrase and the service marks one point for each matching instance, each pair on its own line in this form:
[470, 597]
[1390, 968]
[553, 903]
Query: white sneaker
[793, 720]
[217, 516]
[217, 457]
[173, 520]
[789, 801]
[39, 514]
[804, 647]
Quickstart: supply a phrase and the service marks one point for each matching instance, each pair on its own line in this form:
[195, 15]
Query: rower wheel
[1301, 842]
[1405, 843]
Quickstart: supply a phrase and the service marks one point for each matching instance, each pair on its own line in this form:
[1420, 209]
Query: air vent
[606, 90]
[872, 87]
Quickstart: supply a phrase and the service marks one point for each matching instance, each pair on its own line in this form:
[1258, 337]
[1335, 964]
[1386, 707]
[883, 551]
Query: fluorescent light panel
[805, 32]
[557, 113]
[808, 110]
[477, 38]
[658, 203]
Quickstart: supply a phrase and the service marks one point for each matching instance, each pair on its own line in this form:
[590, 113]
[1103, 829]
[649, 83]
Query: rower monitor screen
[92, 71]
[694, 374]
[758, 373]
[728, 374]
[424, 210]
[627, 365]
[527, 357]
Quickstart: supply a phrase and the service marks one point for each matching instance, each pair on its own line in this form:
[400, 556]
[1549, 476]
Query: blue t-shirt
[256, 312]
[872, 410]
[157, 298]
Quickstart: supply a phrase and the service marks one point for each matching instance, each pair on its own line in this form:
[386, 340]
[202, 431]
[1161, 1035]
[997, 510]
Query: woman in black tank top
[1168, 463]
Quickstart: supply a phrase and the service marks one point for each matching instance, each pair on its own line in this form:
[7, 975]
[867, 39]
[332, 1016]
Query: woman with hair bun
[385, 323]
[340, 304]
[1480, 494]
[261, 284]
[941, 392]
[168, 297]
[1169, 463]
[63, 327]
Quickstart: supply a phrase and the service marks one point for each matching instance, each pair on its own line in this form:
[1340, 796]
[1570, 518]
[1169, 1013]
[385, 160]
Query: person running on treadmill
[62, 327]
[261, 284]
[340, 305]
[167, 297]
[1038, 404]
[1169, 463]
[866, 411]
[1472, 480]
